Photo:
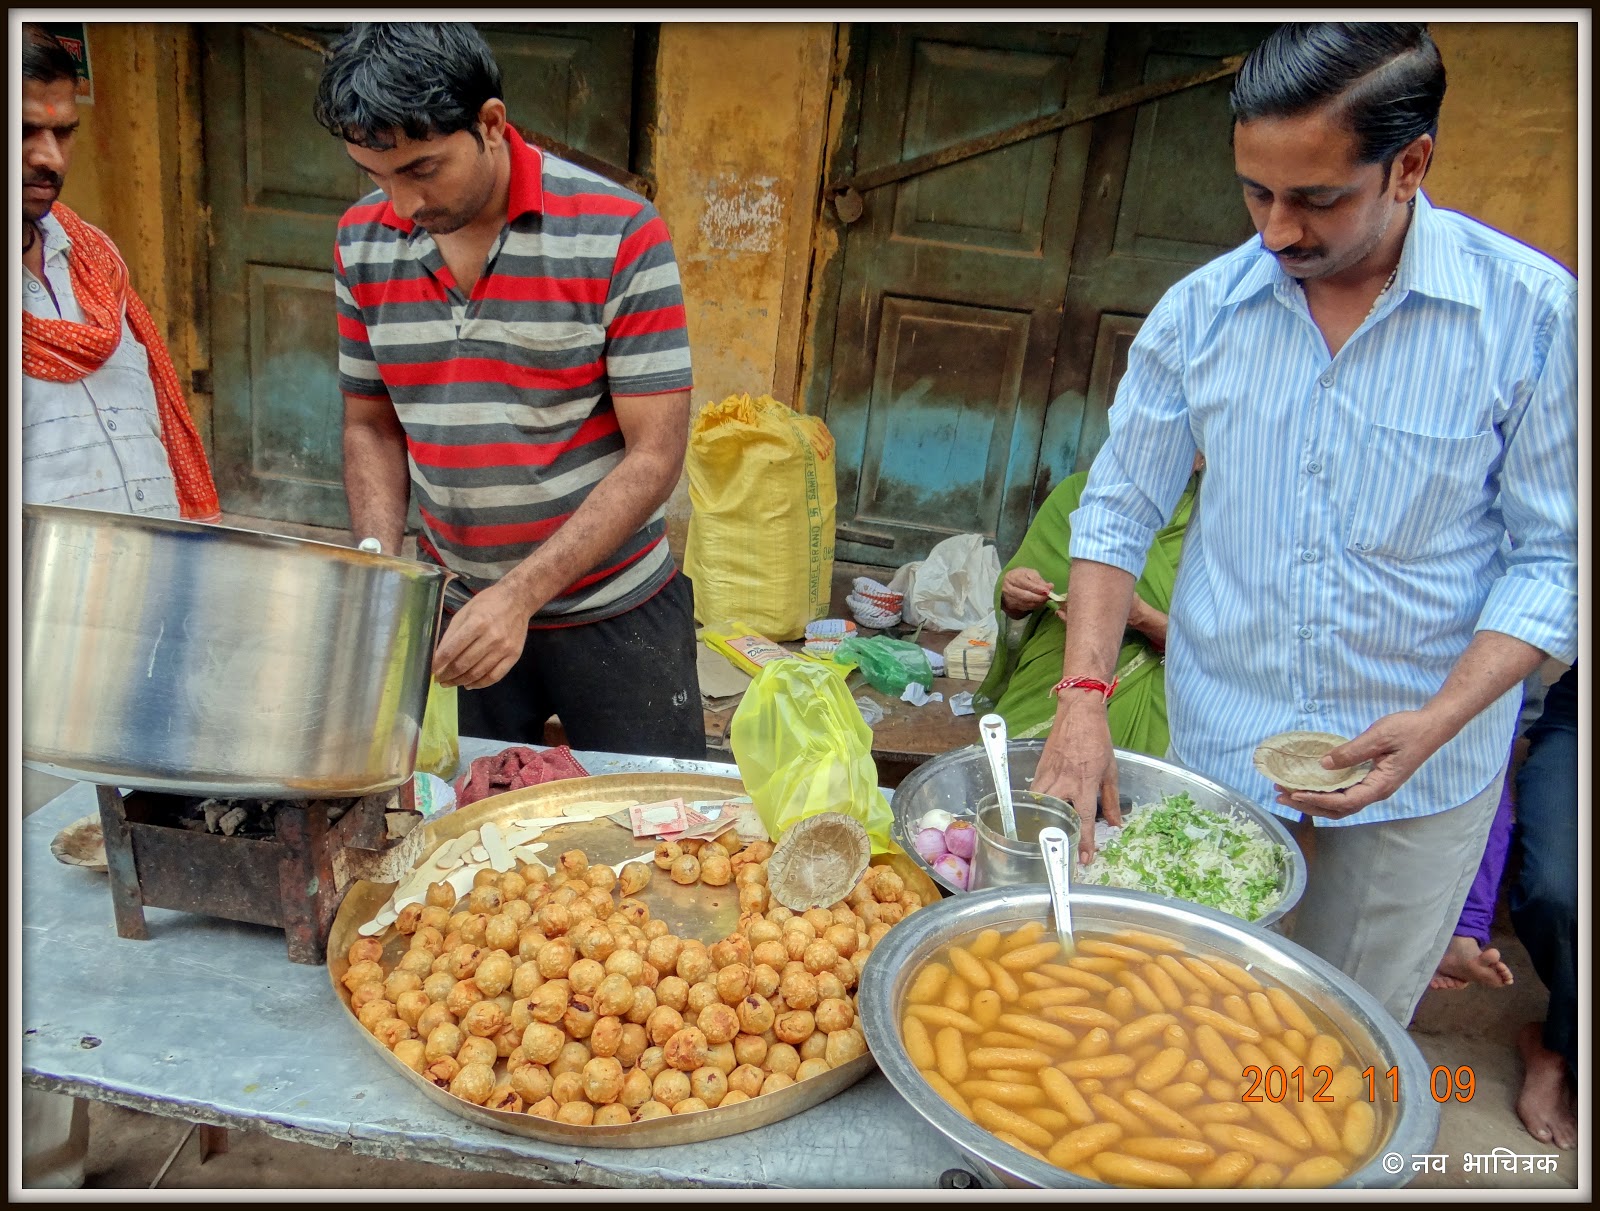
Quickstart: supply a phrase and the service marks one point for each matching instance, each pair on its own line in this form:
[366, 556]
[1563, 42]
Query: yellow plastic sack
[760, 545]
[439, 749]
[803, 748]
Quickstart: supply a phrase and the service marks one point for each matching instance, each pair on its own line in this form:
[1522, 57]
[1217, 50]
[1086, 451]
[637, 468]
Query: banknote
[668, 818]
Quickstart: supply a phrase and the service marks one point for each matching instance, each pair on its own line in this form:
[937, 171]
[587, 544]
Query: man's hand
[1077, 763]
[1077, 760]
[1149, 622]
[1396, 745]
[1023, 590]
[483, 640]
[487, 635]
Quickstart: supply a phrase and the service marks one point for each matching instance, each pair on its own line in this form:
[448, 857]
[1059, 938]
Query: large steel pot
[956, 780]
[170, 655]
[1407, 1126]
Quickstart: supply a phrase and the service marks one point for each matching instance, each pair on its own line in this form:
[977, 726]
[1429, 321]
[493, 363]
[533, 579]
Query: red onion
[930, 844]
[961, 839]
[953, 869]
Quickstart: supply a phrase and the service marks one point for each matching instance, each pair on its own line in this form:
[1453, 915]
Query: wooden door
[949, 306]
[277, 184]
[1165, 202]
[985, 309]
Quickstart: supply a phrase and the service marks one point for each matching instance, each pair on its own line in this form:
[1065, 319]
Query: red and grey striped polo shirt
[506, 396]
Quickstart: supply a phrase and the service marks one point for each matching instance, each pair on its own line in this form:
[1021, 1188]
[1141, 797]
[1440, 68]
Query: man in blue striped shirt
[1386, 544]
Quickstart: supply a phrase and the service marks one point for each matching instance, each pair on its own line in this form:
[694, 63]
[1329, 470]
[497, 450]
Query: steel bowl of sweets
[1175, 1047]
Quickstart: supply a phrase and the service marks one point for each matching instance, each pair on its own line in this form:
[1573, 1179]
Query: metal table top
[209, 1022]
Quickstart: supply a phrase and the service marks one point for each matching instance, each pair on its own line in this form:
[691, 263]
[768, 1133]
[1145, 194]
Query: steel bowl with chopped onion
[1184, 836]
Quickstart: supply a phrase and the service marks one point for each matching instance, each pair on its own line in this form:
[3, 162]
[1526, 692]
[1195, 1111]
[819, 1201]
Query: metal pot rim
[256, 538]
[1024, 849]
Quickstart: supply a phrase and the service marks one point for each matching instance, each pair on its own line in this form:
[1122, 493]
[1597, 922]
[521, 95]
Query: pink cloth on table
[513, 769]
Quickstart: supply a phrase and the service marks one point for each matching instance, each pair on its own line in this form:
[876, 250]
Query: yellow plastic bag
[803, 748]
[439, 749]
[760, 545]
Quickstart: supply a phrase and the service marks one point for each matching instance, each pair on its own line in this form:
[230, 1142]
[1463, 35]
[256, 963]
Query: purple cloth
[1478, 912]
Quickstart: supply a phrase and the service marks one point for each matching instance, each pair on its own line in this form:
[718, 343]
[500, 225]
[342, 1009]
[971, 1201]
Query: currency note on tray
[668, 818]
[717, 816]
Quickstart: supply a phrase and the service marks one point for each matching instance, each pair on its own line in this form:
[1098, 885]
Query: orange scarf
[65, 352]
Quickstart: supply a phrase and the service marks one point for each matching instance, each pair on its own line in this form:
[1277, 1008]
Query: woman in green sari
[1027, 666]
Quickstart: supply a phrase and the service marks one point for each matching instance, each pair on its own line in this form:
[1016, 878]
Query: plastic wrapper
[746, 648]
[871, 712]
[889, 665]
[803, 748]
[439, 749]
[952, 588]
[433, 795]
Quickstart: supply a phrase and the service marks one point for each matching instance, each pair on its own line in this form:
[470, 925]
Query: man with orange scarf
[104, 424]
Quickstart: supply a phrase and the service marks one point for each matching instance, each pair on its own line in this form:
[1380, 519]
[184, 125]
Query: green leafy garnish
[1177, 849]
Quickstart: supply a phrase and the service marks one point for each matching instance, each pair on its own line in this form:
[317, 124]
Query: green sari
[1024, 669]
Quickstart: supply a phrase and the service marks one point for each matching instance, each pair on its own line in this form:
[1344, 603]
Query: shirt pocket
[1418, 491]
[530, 341]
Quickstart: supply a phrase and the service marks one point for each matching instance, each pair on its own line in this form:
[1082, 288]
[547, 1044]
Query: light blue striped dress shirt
[1361, 516]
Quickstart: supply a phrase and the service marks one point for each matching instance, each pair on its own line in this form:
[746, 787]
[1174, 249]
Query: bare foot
[1545, 1104]
[1465, 962]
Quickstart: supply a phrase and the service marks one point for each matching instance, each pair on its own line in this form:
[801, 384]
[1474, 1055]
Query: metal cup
[999, 861]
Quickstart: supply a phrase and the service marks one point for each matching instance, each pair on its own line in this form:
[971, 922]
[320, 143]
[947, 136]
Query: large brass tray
[708, 913]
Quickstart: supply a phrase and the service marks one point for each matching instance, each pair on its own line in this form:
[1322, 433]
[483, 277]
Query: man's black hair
[1386, 79]
[419, 78]
[44, 59]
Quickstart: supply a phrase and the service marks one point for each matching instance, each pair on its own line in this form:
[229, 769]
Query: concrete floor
[1475, 1027]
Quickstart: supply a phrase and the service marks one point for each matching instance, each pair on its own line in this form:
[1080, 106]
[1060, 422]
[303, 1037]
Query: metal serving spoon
[1058, 858]
[993, 730]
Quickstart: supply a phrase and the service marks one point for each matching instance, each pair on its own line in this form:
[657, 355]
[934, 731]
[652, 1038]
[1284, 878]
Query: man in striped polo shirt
[512, 346]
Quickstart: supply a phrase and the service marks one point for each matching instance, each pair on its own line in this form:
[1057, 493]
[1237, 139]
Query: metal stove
[285, 863]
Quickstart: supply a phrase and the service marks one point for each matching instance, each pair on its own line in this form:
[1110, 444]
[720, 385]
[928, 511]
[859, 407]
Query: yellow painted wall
[738, 147]
[1508, 134]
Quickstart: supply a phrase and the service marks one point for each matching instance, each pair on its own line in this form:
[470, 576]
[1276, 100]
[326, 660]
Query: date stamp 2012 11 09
[1277, 1084]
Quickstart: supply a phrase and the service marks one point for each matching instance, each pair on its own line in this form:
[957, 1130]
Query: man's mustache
[51, 179]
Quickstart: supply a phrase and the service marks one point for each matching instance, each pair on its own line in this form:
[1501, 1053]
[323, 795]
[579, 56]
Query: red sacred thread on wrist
[1085, 683]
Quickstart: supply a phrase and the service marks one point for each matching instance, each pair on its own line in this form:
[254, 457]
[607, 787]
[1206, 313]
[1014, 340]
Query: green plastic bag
[439, 749]
[803, 748]
[889, 665]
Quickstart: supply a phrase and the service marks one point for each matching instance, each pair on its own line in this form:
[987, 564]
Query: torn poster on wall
[75, 38]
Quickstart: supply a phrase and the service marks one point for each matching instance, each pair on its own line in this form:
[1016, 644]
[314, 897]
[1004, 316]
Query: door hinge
[200, 382]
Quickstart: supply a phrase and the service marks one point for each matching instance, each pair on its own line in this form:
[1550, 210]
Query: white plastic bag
[953, 588]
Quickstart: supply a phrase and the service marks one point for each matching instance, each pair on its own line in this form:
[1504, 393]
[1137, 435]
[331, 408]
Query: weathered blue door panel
[984, 310]
[277, 183]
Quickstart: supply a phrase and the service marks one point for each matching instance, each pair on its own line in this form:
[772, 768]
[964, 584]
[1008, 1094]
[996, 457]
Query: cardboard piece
[718, 677]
